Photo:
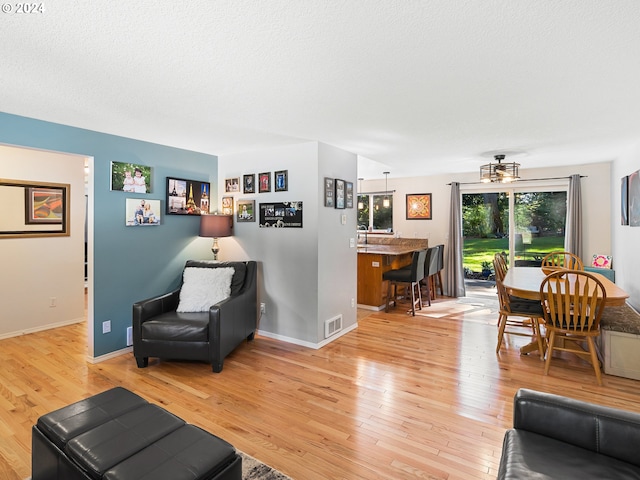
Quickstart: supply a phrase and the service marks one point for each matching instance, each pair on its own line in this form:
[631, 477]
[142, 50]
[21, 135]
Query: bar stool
[411, 276]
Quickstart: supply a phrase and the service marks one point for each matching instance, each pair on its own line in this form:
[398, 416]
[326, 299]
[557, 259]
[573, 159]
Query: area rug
[253, 469]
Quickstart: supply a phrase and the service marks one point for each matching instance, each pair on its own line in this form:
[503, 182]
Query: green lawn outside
[477, 250]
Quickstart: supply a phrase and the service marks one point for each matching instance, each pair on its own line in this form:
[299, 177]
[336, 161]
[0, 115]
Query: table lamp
[216, 226]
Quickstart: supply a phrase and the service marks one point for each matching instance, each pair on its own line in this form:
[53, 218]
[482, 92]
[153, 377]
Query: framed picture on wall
[249, 183]
[329, 200]
[227, 205]
[340, 193]
[418, 206]
[624, 200]
[264, 182]
[130, 177]
[232, 185]
[281, 181]
[246, 211]
[44, 205]
[142, 212]
[187, 197]
[349, 194]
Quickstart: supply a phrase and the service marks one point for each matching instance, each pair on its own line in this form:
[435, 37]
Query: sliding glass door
[522, 223]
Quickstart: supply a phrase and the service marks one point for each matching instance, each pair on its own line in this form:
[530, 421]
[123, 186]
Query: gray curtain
[455, 269]
[573, 235]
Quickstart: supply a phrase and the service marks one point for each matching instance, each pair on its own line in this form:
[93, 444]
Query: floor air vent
[332, 326]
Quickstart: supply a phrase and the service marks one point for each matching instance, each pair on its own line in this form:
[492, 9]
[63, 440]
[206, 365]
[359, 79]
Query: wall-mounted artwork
[249, 183]
[227, 205]
[142, 212]
[130, 177]
[349, 194]
[418, 206]
[624, 201]
[281, 181]
[329, 200]
[264, 182]
[340, 193]
[232, 185]
[281, 215]
[634, 199]
[246, 211]
[44, 205]
[187, 197]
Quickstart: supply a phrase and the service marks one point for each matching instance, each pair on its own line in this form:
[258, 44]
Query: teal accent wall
[130, 263]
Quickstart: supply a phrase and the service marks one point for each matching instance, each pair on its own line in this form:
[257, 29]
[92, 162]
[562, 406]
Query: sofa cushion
[530, 455]
[177, 327]
[204, 287]
[237, 281]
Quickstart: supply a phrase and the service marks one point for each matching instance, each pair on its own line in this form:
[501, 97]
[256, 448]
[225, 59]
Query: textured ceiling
[414, 86]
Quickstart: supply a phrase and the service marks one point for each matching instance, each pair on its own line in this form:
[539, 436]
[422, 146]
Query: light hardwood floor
[400, 397]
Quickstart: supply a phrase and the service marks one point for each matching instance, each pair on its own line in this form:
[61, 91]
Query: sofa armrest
[605, 430]
[151, 307]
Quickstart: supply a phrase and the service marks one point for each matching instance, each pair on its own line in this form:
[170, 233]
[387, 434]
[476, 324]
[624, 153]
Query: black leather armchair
[160, 331]
[559, 437]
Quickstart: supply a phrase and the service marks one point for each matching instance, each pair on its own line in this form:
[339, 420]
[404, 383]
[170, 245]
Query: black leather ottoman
[117, 435]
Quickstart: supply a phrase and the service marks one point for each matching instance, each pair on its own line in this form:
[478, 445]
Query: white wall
[596, 194]
[306, 275]
[37, 269]
[626, 239]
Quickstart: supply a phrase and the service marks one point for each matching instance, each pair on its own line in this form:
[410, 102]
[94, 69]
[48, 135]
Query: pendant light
[360, 202]
[385, 202]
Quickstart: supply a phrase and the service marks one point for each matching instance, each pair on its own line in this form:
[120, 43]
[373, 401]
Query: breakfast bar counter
[376, 258]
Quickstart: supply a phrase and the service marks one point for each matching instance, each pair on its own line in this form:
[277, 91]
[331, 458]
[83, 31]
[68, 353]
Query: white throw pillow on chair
[204, 287]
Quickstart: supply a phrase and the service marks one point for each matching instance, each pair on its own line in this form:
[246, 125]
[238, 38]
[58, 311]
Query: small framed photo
[264, 182]
[418, 206]
[130, 177]
[329, 200]
[340, 193]
[281, 181]
[349, 194]
[227, 205]
[142, 212]
[246, 211]
[249, 183]
[232, 185]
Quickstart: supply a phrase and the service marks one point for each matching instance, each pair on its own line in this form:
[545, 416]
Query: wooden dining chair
[574, 301]
[500, 266]
[517, 316]
[567, 260]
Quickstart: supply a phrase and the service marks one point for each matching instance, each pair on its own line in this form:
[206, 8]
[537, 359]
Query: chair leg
[502, 322]
[428, 285]
[547, 363]
[440, 283]
[536, 331]
[413, 300]
[594, 359]
[386, 308]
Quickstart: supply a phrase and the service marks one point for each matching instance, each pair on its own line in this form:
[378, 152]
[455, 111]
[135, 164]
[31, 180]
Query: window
[373, 214]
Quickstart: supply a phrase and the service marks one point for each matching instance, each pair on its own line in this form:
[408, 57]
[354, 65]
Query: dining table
[524, 282]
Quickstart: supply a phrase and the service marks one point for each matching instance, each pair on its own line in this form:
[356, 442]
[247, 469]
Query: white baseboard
[302, 343]
[41, 328]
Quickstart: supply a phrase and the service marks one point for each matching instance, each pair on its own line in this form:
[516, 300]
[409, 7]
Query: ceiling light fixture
[360, 202]
[499, 172]
[385, 202]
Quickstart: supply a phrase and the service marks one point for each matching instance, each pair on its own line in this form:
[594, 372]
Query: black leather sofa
[556, 437]
[160, 331]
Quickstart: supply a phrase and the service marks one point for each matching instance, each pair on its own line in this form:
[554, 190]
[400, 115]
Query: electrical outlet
[53, 302]
[263, 308]
[106, 326]
[129, 336]
[353, 302]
